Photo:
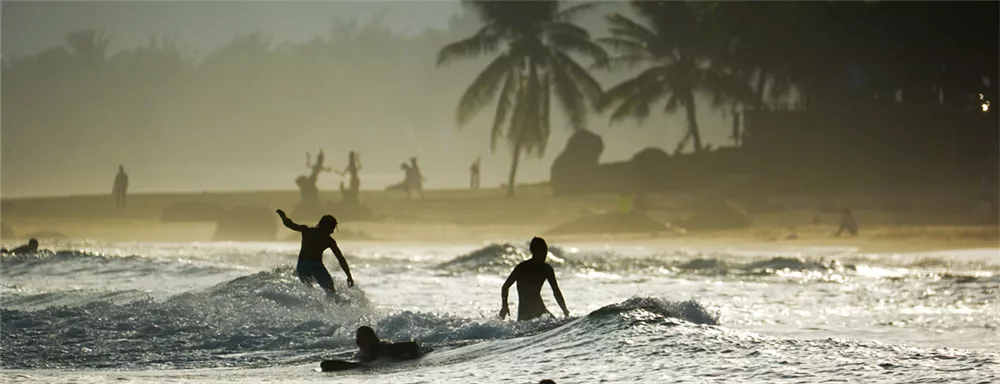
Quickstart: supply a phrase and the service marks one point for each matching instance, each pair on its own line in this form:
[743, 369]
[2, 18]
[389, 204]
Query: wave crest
[690, 311]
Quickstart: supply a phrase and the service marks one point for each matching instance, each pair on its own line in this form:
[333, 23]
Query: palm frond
[586, 83]
[627, 88]
[544, 107]
[637, 106]
[486, 40]
[672, 104]
[508, 96]
[623, 27]
[578, 44]
[568, 92]
[624, 45]
[726, 88]
[566, 28]
[575, 10]
[483, 88]
[524, 119]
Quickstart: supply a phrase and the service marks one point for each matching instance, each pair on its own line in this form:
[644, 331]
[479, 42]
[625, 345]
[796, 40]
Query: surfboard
[338, 365]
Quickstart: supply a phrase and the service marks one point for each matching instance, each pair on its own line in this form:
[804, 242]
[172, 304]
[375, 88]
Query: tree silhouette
[675, 53]
[534, 40]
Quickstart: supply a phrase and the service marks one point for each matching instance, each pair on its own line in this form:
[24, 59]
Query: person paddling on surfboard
[371, 348]
[529, 276]
[31, 247]
[315, 240]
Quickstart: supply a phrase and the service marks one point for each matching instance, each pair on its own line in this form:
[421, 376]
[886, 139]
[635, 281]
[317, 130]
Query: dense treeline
[737, 55]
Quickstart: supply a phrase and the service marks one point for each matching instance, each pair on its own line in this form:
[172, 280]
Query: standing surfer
[315, 240]
[529, 276]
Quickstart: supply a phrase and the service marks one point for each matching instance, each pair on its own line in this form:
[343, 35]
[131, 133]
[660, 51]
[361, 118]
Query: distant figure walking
[474, 175]
[315, 240]
[416, 178]
[529, 276]
[120, 187]
[353, 166]
[31, 247]
[847, 223]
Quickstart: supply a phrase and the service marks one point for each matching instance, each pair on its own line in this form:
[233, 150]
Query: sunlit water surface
[224, 312]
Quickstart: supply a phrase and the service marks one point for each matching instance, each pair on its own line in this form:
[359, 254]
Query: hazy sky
[174, 165]
[38, 24]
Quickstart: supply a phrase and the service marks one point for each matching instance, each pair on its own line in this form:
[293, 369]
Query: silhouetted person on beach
[371, 348]
[405, 184]
[847, 223]
[529, 276]
[474, 175]
[315, 240]
[31, 247]
[120, 187]
[308, 192]
[416, 178]
[353, 166]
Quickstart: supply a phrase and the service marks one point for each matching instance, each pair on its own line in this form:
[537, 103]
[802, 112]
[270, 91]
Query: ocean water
[234, 312]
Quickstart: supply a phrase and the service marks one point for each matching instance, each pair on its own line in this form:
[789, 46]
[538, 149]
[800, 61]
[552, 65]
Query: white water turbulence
[235, 312]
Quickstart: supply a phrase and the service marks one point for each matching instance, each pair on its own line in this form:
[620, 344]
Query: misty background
[214, 96]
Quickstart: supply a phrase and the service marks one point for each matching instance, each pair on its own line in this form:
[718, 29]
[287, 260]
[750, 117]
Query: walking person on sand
[120, 187]
[474, 175]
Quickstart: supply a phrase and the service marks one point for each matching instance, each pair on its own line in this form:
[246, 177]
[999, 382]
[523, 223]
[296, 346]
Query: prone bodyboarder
[371, 348]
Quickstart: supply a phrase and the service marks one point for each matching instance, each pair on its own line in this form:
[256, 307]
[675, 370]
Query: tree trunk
[513, 168]
[693, 124]
[682, 143]
[758, 88]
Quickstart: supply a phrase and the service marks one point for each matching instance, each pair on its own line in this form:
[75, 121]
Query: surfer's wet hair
[327, 222]
[366, 336]
[538, 246]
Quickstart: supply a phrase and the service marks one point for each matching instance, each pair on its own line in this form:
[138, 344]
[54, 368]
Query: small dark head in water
[327, 224]
[366, 338]
[547, 381]
[539, 250]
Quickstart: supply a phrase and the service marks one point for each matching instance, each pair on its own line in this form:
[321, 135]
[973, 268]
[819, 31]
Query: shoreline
[904, 221]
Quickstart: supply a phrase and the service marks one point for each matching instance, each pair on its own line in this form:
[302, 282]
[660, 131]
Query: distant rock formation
[576, 170]
[244, 223]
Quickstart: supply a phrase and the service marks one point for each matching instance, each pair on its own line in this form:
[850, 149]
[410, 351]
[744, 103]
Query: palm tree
[677, 52]
[534, 40]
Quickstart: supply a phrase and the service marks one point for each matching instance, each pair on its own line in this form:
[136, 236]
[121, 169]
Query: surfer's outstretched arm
[342, 261]
[289, 223]
[556, 291]
[504, 309]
